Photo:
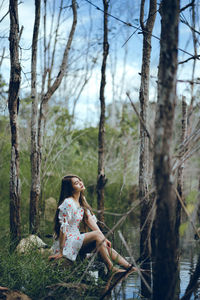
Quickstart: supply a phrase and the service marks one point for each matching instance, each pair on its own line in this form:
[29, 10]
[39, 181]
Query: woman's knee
[98, 236]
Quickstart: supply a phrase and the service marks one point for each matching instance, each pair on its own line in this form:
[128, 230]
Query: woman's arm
[93, 226]
[58, 255]
[62, 237]
[90, 221]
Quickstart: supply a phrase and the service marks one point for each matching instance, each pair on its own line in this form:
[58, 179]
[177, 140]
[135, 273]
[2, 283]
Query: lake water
[130, 288]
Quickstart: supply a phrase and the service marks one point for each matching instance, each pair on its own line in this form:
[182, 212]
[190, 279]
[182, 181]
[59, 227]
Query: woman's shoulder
[67, 202]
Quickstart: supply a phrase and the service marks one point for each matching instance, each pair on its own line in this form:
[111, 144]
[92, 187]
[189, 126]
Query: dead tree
[101, 180]
[34, 193]
[181, 167]
[195, 43]
[13, 106]
[198, 205]
[145, 222]
[34, 223]
[165, 270]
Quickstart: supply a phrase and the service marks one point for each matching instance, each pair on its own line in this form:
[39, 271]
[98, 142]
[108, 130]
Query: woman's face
[77, 184]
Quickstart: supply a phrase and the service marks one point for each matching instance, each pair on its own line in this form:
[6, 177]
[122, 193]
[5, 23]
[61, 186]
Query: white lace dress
[70, 216]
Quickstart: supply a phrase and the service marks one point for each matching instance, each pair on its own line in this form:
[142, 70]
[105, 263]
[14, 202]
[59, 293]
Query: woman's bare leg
[101, 246]
[116, 257]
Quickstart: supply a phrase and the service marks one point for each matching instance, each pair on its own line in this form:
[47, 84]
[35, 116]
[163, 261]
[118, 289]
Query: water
[130, 289]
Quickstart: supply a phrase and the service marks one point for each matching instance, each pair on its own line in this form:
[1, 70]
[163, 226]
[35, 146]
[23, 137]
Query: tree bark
[45, 98]
[145, 220]
[165, 273]
[101, 180]
[180, 169]
[35, 185]
[198, 205]
[13, 106]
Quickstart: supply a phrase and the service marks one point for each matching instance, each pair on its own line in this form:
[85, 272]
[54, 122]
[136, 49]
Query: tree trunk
[35, 186]
[101, 180]
[13, 106]
[145, 220]
[34, 213]
[165, 273]
[198, 206]
[180, 169]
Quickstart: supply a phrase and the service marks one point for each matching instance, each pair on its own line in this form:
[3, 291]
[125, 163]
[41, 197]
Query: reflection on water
[130, 289]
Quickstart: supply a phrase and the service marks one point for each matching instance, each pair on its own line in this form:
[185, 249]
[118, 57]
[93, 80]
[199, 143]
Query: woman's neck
[76, 196]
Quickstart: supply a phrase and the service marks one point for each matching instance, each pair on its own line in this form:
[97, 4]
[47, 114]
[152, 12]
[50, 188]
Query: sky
[124, 61]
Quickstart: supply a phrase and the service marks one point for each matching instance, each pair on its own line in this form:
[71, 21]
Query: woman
[72, 209]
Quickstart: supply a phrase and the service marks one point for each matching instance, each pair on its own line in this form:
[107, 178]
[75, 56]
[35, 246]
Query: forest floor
[34, 275]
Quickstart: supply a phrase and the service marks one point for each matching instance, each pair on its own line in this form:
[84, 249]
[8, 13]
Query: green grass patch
[34, 275]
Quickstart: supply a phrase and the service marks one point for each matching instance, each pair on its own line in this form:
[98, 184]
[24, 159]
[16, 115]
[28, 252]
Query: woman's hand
[55, 256]
[108, 243]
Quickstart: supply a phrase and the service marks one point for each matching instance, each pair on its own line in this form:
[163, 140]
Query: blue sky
[124, 63]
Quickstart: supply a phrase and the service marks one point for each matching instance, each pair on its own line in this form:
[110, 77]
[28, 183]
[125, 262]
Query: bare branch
[138, 115]
[142, 14]
[2, 56]
[188, 59]
[187, 213]
[189, 81]
[8, 12]
[60, 74]
[4, 16]
[133, 260]
[191, 27]
[131, 25]
[184, 158]
[20, 33]
[188, 5]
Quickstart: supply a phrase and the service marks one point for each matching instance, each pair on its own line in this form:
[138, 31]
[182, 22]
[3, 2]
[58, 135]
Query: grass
[33, 274]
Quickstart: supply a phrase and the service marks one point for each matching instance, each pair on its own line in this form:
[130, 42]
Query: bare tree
[165, 271]
[13, 105]
[52, 87]
[101, 180]
[195, 43]
[198, 205]
[145, 222]
[181, 167]
[35, 179]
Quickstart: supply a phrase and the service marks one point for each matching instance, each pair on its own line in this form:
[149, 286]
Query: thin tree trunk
[180, 179]
[195, 42]
[145, 224]
[35, 190]
[13, 105]
[45, 98]
[101, 180]
[165, 273]
[180, 169]
[198, 206]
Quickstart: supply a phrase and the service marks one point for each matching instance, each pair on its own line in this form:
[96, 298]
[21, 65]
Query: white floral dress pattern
[70, 216]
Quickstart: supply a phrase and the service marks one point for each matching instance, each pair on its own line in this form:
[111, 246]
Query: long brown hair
[66, 191]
